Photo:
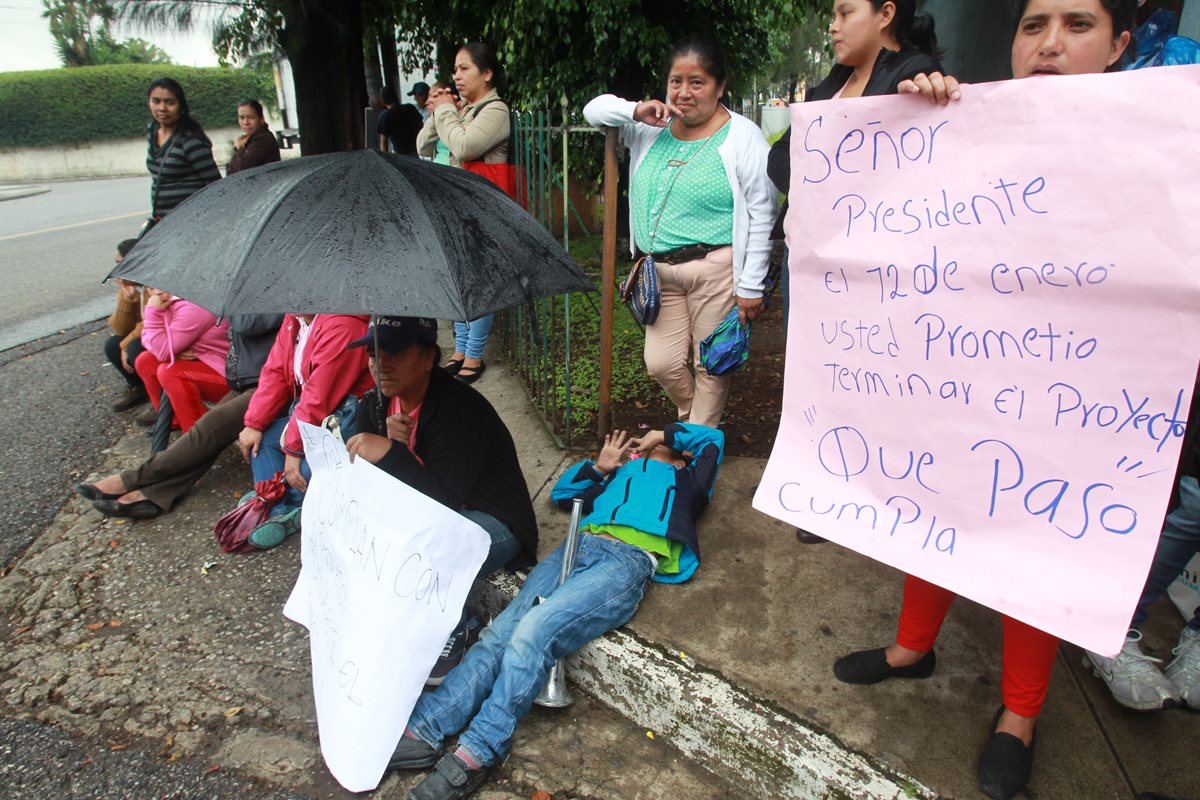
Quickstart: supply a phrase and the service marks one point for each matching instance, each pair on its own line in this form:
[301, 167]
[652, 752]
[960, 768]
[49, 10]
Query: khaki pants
[696, 296]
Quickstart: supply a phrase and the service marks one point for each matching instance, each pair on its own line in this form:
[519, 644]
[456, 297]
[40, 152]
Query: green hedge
[86, 104]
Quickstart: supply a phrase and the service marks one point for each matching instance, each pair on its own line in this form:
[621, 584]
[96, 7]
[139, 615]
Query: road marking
[73, 225]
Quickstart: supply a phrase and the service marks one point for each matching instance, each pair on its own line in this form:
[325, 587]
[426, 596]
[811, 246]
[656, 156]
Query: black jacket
[892, 67]
[250, 339]
[470, 461]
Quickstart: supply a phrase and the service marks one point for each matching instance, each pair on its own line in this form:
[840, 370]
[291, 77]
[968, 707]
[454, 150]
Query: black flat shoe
[1006, 763]
[142, 509]
[808, 537]
[453, 365]
[871, 666]
[88, 491]
[413, 753]
[471, 374]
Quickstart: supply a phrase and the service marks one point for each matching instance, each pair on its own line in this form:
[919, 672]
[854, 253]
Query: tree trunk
[390, 59]
[323, 40]
[375, 78]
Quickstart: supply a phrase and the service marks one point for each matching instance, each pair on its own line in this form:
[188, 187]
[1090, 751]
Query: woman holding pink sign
[1053, 37]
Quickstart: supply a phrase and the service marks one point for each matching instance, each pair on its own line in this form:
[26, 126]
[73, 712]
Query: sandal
[471, 374]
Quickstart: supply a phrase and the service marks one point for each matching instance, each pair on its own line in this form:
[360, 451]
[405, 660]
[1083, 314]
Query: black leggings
[112, 349]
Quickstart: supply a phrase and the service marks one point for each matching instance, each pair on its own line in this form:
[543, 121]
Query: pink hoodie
[181, 326]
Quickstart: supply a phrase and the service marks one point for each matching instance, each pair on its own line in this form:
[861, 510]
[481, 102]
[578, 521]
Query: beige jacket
[471, 136]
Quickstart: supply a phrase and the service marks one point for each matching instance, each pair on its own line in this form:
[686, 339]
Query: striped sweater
[182, 166]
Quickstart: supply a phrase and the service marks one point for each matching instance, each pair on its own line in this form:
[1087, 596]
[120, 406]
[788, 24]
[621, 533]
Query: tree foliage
[576, 48]
[80, 29]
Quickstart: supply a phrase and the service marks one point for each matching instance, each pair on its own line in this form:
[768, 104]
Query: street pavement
[55, 249]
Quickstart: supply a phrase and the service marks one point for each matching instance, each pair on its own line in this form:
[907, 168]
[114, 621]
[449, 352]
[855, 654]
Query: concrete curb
[18, 192]
[733, 733]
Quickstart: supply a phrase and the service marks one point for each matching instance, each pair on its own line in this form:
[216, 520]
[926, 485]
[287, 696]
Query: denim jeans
[270, 457]
[471, 337]
[504, 545]
[498, 679]
[1178, 542]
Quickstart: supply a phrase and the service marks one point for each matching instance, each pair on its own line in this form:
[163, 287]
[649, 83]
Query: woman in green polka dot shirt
[701, 202]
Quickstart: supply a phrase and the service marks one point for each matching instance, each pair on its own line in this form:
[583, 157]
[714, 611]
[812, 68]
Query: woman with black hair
[256, 146]
[701, 204]
[477, 133]
[1053, 37]
[179, 154]
[878, 45]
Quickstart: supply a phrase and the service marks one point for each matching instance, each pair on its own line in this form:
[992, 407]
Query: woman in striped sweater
[179, 154]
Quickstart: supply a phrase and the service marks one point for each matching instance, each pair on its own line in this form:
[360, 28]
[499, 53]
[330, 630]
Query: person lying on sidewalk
[639, 522]
[155, 485]
[445, 440]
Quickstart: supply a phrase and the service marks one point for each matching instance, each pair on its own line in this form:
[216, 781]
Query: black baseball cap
[420, 87]
[397, 334]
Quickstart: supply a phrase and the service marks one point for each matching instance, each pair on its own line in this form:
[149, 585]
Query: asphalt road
[57, 247]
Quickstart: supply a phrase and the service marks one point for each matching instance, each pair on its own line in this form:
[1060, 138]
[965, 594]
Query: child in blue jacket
[639, 522]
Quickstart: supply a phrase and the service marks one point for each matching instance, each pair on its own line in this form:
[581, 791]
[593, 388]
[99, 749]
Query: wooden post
[608, 273]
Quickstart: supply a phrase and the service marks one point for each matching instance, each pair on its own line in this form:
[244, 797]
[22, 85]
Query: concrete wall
[99, 159]
[1189, 21]
[977, 38]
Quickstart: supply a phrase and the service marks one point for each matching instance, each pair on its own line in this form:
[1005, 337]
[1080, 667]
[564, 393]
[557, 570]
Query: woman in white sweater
[701, 203]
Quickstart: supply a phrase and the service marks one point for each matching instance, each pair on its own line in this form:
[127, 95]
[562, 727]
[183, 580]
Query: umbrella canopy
[353, 233]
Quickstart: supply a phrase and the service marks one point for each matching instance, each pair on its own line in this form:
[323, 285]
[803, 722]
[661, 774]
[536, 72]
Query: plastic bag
[728, 347]
[1158, 46]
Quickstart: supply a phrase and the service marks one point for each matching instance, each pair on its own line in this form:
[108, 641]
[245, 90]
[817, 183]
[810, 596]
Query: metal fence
[543, 340]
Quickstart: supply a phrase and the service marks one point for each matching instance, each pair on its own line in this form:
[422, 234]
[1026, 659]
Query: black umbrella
[353, 233]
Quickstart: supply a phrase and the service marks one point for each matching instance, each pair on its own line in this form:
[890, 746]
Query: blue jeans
[471, 337]
[504, 545]
[270, 457]
[1178, 542]
[498, 679]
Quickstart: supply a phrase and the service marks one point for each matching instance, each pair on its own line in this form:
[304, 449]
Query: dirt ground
[755, 398]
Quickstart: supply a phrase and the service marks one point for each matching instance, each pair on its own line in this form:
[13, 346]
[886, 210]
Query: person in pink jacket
[185, 351]
[309, 375]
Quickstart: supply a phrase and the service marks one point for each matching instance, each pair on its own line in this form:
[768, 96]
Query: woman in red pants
[185, 356]
[1054, 37]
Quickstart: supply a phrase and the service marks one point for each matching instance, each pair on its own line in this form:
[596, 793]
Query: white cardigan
[744, 153]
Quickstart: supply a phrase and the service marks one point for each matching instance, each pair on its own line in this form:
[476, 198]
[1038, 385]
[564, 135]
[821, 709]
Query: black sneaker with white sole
[452, 653]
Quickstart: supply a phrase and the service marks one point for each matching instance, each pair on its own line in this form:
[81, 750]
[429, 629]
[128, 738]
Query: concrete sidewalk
[116, 631]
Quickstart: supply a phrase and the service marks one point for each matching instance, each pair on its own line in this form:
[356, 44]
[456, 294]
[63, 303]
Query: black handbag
[640, 291]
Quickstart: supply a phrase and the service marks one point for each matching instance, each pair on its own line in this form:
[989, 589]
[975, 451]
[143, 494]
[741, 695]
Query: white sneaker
[1184, 669]
[1133, 678]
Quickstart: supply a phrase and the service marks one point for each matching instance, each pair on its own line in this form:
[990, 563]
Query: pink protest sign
[995, 328]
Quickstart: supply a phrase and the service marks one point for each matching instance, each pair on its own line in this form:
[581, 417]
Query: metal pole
[607, 280]
[554, 694]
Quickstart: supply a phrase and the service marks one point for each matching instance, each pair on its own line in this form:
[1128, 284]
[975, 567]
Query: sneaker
[1133, 678]
[452, 654]
[1184, 670]
[132, 396]
[413, 753]
[451, 779]
[275, 530]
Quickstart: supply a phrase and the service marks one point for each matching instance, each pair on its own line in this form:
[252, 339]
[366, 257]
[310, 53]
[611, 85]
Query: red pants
[187, 383]
[1028, 652]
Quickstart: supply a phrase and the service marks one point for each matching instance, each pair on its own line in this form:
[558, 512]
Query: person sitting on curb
[308, 376]
[155, 485]
[639, 522]
[445, 440]
[1133, 677]
[125, 345]
[185, 352]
